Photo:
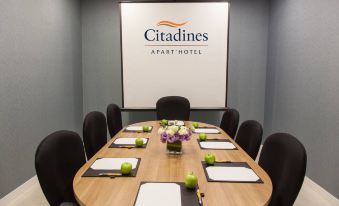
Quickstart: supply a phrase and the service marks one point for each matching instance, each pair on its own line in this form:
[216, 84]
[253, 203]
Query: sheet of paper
[156, 194]
[179, 122]
[113, 163]
[222, 173]
[206, 130]
[128, 140]
[216, 145]
[136, 128]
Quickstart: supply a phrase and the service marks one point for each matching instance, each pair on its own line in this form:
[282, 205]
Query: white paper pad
[241, 174]
[179, 123]
[136, 128]
[155, 194]
[113, 163]
[206, 130]
[130, 141]
[217, 145]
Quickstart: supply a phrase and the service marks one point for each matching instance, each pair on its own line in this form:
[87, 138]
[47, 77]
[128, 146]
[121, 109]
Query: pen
[199, 196]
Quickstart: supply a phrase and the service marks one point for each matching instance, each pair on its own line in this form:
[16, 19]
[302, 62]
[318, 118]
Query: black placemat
[229, 164]
[95, 173]
[216, 140]
[141, 131]
[113, 145]
[206, 128]
[188, 196]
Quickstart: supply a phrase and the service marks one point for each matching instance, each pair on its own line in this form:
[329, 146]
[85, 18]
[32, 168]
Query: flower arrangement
[174, 133]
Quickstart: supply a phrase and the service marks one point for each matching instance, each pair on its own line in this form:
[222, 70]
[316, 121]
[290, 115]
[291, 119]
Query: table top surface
[157, 165]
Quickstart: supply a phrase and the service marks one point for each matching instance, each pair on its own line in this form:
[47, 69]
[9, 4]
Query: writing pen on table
[199, 196]
[110, 174]
[128, 147]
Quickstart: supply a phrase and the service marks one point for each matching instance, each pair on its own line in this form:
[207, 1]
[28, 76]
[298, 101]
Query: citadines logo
[177, 35]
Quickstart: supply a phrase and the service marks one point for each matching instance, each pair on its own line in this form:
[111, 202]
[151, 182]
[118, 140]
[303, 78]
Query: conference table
[158, 166]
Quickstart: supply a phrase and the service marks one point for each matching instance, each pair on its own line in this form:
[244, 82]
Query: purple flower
[171, 139]
[177, 136]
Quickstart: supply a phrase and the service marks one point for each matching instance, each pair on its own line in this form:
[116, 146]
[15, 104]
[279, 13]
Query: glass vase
[174, 147]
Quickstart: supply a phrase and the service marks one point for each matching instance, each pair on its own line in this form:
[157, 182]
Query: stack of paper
[206, 130]
[155, 194]
[234, 174]
[216, 145]
[113, 163]
[128, 141]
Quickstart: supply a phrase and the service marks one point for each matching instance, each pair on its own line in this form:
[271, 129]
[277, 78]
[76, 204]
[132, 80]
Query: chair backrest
[284, 159]
[249, 137]
[94, 133]
[229, 122]
[173, 108]
[114, 120]
[58, 157]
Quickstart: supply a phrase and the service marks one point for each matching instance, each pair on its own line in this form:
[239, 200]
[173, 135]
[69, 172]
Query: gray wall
[247, 66]
[40, 80]
[248, 58]
[302, 82]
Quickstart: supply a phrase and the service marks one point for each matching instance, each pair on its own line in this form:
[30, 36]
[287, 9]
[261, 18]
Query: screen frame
[227, 54]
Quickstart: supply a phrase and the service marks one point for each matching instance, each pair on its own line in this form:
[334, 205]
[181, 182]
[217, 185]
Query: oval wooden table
[156, 165]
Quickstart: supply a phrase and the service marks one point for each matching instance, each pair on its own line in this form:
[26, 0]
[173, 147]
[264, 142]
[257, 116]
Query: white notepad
[236, 174]
[178, 123]
[113, 163]
[128, 140]
[136, 128]
[155, 194]
[206, 130]
[217, 145]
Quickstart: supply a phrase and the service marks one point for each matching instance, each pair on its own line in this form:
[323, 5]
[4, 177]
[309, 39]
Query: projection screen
[174, 49]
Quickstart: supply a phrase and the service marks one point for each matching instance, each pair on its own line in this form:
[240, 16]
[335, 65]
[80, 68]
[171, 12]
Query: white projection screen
[174, 49]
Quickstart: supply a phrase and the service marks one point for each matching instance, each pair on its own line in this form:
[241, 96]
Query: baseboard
[313, 194]
[10, 197]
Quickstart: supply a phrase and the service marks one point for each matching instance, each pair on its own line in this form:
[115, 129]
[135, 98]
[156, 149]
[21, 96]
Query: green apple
[209, 159]
[191, 181]
[202, 137]
[164, 122]
[126, 168]
[145, 128]
[139, 142]
[195, 124]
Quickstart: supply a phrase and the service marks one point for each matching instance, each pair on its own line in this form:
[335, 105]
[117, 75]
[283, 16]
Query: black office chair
[173, 108]
[284, 159]
[94, 133]
[229, 122]
[58, 157]
[249, 137]
[114, 120]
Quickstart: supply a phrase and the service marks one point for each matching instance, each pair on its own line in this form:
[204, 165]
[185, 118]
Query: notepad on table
[207, 130]
[128, 141]
[216, 145]
[113, 163]
[155, 194]
[233, 174]
[111, 167]
[227, 171]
